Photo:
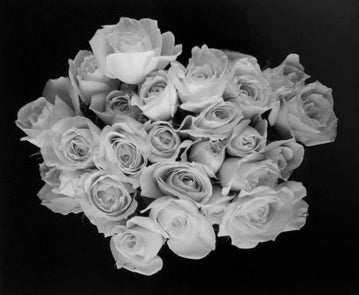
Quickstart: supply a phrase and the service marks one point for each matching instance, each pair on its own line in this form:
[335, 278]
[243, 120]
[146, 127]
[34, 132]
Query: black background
[46, 253]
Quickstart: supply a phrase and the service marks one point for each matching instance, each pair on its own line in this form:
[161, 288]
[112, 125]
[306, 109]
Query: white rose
[157, 97]
[215, 122]
[184, 180]
[240, 174]
[135, 246]
[87, 79]
[131, 49]
[202, 83]
[308, 116]
[189, 233]
[264, 213]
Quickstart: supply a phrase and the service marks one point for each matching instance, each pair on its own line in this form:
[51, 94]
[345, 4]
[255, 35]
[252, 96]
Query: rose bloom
[264, 213]
[87, 79]
[287, 78]
[131, 49]
[288, 154]
[240, 174]
[189, 233]
[209, 153]
[248, 88]
[71, 144]
[247, 140]
[308, 116]
[117, 103]
[107, 200]
[124, 149]
[184, 180]
[215, 122]
[202, 82]
[165, 143]
[215, 207]
[136, 245]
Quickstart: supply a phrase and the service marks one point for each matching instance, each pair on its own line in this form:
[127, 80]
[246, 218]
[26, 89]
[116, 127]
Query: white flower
[264, 213]
[157, 96]
[135, 246]
[87, 79]
[131, 49]
[203, 81]
[189, 233]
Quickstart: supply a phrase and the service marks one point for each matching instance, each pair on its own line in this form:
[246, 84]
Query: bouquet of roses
[155, 152]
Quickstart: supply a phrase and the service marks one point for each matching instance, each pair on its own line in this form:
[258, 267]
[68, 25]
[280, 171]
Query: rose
[235, 55]
[287, 78]
[263, 214]
[135, 246]
[189, 233]
[203, 81]
[71, 144]
[287, 154]
[165, 143]
[215, 207]
[38, 116]
[117, 103]
[86, 78]
[209, 153]
[131, 49]
[246, 140]
[107, 200]
[215, 122]
[308, 116]
[240, 174]
[124, 149]
[248, 88]
[189, 181]
[157, 96]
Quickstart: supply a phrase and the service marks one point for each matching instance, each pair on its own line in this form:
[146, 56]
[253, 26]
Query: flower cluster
[152, 151]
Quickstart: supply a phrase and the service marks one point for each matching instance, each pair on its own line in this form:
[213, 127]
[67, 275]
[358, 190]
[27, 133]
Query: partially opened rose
[157, 97]
[308, 116]
[71, 144]
[203, 81]
[184, 180]
[117, 103]
[87, 79]
[240, 174]
[107, 200]
[264, 213]
[215, 122]
[288, 154]
[136, 245]
[131, 49]
[189, 233]
[124, 150]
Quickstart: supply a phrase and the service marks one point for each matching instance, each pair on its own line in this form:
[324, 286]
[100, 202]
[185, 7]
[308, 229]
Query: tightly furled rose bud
[247, 140]
[184, 180]
[189, 233]
[203, 81]
[215, 122]
[157, 97]
[136, 245]
[107, 200]
[240, 174]
[132, 49]
[124, 149]
[288, 155]
[264, 213]
[115, 104]
[209, 153]
[308, 116]
[87, 79]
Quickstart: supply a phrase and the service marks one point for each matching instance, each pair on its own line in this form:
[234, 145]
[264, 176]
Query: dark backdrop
[46, 253]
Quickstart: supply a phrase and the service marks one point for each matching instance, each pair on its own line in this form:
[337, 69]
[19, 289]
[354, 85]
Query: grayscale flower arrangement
[153, 152]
